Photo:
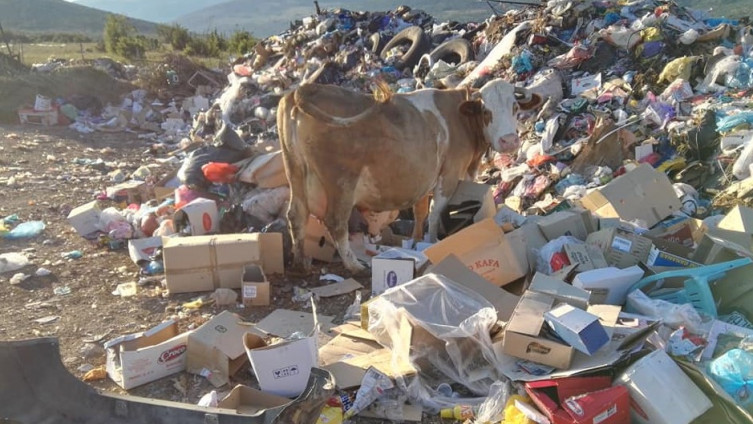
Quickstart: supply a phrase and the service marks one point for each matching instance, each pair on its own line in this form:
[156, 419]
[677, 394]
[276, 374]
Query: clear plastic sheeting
[449, 336]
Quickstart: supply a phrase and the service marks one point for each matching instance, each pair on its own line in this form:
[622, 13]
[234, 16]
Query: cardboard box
[586, 256]
[215, 350]
[283, 368]
[560, 291]
[136, 359]
[621, 248]
[484, 249]
[141, 250]
[573, 400]
[85, 218]
[679, 230]
[389, 273]
[317, 243]
[608, 285]
[205, 263]
[200, 216]
[660, 261]
[736, 226]
[656, 381]
[451, 267]
[254, 286]
[266, 170]
[527, 240]
[477, 195]
[578, 328]
[133, 191]
[247, 400]
[643, 194]
[563, 223]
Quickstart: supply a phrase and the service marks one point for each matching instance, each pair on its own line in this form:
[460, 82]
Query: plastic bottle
[459, 412]
[73, 254]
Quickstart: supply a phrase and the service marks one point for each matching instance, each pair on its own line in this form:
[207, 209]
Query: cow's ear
[535, 102]
[471, 107]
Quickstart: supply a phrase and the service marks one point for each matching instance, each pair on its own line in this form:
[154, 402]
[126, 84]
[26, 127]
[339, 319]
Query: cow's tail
[309, 108]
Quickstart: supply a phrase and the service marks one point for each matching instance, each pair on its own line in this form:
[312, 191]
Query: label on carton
[622, 244]
[606, 414]
[249, 291]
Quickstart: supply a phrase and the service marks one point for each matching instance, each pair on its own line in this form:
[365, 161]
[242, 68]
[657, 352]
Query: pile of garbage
[601, 272]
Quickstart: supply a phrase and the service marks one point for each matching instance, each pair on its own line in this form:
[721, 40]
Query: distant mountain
[265, 17]
[150, 10]
[58, 16]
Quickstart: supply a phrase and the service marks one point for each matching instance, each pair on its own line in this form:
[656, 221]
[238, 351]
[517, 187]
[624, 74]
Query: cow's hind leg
[442, 194]
[336, 221]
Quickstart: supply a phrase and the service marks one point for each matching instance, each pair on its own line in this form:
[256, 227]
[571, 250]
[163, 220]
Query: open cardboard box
[574, 400]
[621, 248]
[201, 216]
[137, 359]
[282, 368]
[484, 248]
[247, 400]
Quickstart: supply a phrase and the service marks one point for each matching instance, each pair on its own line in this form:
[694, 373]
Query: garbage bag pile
[602, 272]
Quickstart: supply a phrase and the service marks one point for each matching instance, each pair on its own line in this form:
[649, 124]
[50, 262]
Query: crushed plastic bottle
[73, 254]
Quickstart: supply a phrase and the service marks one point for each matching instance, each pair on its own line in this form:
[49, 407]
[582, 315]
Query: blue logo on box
[391, 279]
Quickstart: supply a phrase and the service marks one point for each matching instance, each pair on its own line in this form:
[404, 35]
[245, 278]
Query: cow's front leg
[336, 221]
[420, 212]
[439, 204]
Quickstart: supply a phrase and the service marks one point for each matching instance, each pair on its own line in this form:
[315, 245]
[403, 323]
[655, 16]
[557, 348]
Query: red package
[219, 172]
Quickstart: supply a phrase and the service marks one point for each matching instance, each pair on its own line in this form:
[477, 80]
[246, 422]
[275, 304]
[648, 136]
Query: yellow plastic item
[672, 165]
[459, 412]
[681, 68]
[651, 34]
[331, 415]
[513, 414]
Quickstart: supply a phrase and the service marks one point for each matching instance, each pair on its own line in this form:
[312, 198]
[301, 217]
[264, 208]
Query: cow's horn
[523, 94]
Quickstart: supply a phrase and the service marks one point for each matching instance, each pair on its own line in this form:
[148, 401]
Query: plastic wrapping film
[450, 337]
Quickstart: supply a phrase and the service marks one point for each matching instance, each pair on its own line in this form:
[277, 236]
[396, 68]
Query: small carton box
[643, 194]
[484, 249]
[215, 350]
[132, 191]
[656, 381]
[608, 285]
[659, 260]
[586, 256]
[141, 250]
[573, 400]
[621, 248]
[205, 263]
[254, 286]
[564, 223]
[283, 368]
[247, 400]
[578, 328]
[679, 230]
[317, 243]
[388, 273]
[85, 218]
[136, 359]
[200, 216]
[475, 195]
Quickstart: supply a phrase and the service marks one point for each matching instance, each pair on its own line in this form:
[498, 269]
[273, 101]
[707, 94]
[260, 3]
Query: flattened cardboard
[205, 263]
[337, 289]
[642, 194]
[284, 322]
[736, 226]
[389, 273]
[502, 300]
[266, 171]
[317, 243]
[564, 223]
[721, 327]
[577, 328]
[621, 248]
[283, 368]
[137, 359]
[254, 286]
[201, 216]
[247, 400]
[527, 240]
[85, 218]
[560, 291]
[484, 249]
[141, 249]
[215, 349]
[656, 381]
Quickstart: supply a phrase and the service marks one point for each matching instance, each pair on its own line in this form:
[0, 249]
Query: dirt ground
[39, 180]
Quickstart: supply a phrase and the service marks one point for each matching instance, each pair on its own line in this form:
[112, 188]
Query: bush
[213, 45]
[117, 27]
[241, 42]
[174, 35]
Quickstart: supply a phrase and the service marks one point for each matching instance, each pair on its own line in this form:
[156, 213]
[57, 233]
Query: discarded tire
[378, 41]
[457, 51]
[419, 45]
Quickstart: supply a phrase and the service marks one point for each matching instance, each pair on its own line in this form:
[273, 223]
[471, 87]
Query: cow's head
[504, 101]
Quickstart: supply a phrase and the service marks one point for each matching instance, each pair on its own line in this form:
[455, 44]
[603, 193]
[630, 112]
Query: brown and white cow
[343, 149]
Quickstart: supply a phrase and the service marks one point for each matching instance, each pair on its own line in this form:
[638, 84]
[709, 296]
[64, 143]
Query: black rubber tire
[419, 42]
[452, 51]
